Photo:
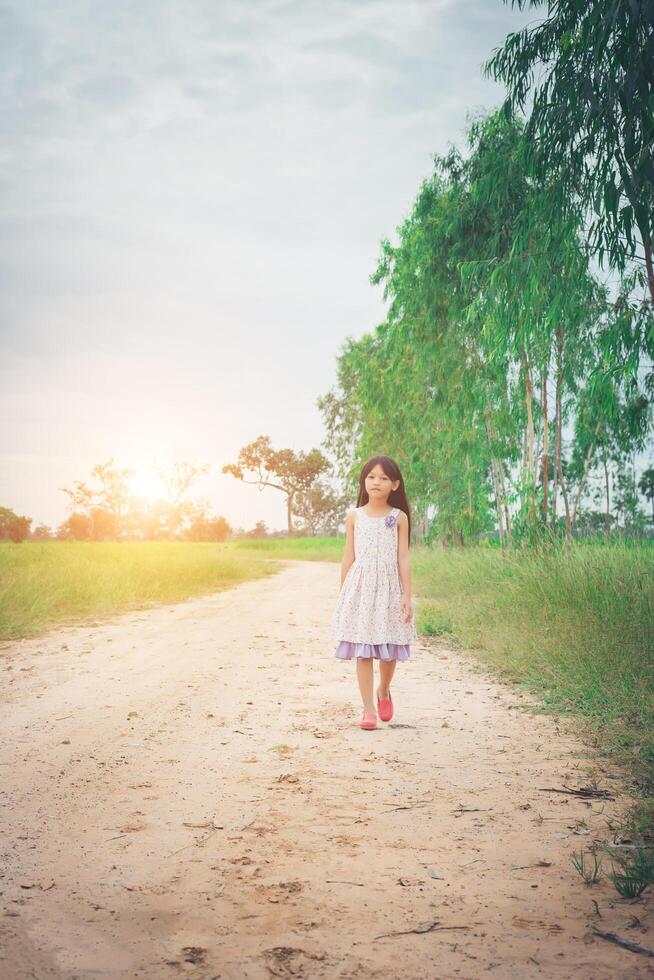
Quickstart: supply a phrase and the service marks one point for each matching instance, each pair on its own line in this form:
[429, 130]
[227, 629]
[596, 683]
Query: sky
[192, 198]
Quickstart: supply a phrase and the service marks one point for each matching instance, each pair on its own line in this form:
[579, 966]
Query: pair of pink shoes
[385, 709]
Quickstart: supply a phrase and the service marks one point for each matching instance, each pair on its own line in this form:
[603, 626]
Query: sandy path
[241, 825]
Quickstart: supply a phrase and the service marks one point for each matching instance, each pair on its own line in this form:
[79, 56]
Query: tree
[627, 503]
[203, 528]
[81, 496]
[258, 532]
[282, 469]
[436, 403]
[320, 509]
[498, 342]
[535, 305]
[592, 118]
[177, 480]
[13, 527]
[41, 533]
[646, 486]
[486, 276]
[343, 414]
[113, 513]
[113, 496]
[76, 527]
[107, 504]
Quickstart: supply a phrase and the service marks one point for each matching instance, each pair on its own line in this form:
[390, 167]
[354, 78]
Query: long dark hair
[396, 498]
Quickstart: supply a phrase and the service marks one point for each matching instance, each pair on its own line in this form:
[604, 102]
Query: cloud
[192, 197]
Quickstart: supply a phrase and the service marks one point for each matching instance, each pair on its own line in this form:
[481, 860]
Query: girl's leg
[365, 679]
[386, 671]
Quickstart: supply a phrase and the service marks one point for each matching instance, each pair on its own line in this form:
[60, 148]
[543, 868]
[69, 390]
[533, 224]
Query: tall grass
[48, 583]
[576, 624]
[304, 549]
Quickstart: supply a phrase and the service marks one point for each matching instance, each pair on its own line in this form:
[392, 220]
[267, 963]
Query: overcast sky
[192, 196]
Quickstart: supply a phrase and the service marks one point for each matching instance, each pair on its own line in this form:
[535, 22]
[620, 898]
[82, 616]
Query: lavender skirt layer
[346, 650]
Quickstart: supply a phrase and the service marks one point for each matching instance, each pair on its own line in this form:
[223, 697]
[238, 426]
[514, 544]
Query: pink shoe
[368, 722]
[385, 706]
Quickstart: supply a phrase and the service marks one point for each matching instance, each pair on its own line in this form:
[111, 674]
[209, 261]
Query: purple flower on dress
[390, 520]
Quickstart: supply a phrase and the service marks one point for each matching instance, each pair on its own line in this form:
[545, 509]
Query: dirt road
[185, 792]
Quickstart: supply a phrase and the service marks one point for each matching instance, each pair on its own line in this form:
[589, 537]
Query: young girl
[373, 618]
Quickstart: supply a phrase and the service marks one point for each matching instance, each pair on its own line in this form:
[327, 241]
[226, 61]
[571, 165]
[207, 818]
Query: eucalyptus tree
[531, 299]
[342, 413]
[490, 303]
[646, 486]
[627, 501]
[586, 71]
[402, 390]
[612, 420]
[443, 384]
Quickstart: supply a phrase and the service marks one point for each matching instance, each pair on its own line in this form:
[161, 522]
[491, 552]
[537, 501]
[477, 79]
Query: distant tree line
[104, 509]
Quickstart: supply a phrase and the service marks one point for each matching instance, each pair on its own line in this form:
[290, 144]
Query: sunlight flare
[146, 483]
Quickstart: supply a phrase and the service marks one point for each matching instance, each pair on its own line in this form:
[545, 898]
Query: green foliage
[588, 69]
[506, 373]
[646, 486]
[294, 473]
[635, 871]
[13, 527]
[591, 874]
[575, 623]
[49, 583]
[491, 304]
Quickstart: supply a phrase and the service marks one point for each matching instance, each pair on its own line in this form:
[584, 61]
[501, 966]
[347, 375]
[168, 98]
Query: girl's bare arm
[348, 554]
[403, 561]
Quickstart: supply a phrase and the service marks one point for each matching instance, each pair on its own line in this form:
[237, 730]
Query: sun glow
[145, 482]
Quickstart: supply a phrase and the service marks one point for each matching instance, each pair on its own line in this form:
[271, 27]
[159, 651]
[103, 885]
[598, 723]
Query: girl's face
[378, 485]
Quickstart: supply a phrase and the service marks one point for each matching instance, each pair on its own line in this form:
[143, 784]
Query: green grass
[576, 625]
[49, 583]
[304, 549]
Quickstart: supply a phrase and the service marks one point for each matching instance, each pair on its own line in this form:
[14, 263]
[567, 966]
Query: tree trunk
[529, 434]
[529, 397]
[497, 471]
[545, 458]
[507, 515]
[524, 453]
[505, 502]
[558, 433]
[289, 511]
[568, 519]
[498, 504]
[607, 514]
[584, 475]
[496, 484]
[650, 269]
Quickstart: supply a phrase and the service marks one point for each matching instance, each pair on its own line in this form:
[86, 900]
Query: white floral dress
[367, 620]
